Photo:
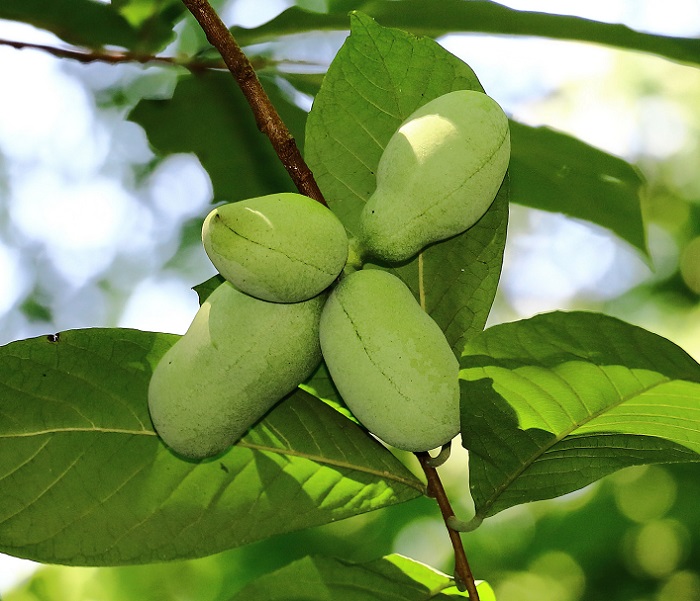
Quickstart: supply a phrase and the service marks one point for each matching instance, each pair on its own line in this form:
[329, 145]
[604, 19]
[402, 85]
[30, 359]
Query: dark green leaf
[153, 19]
[379, 77]
[80, 22]
[473, 16]
[222, 133]
[204, 289]
[555, 172]
[392, 578]
[555, 402]
[85, 480]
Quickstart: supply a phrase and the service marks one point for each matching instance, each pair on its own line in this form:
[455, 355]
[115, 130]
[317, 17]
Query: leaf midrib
[483, 513]
[416, 484]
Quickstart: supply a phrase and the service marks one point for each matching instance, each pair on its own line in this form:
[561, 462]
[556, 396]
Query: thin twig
[463, 573]
[266, 116]
[92, 55]
[105, 56]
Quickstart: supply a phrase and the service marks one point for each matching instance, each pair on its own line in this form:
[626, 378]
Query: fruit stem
[266, 116]
[464, 579]
[442, 456]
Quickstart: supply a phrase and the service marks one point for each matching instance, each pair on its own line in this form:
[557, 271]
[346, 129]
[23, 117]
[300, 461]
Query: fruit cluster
[286, 303]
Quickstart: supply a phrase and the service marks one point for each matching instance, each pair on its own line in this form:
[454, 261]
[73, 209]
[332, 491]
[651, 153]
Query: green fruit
[238, 358]
[390, 361]
[438, 175]
[282, 248]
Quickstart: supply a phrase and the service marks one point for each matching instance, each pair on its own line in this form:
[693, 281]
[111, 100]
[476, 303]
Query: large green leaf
[439, 17]
[209, 116]
[85, 481]
[392, 578]
[555, 402]
[555, 172]
[378, 78]
[94, 24]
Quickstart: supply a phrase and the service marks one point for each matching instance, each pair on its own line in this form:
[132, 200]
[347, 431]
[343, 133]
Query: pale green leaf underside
[378, 78]
[557, 401]
[85, 481]
[392, 578]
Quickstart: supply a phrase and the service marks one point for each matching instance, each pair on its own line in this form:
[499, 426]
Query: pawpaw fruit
[281, 247]
[390, 361]
[239, 357]
[437, 176]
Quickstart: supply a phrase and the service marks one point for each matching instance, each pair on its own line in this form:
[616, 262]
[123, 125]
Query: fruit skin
[238, 358]
[437, 176]
[390, 361]
[282, 248]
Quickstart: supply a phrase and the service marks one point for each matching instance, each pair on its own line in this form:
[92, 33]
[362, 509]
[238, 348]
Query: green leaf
[81, 22]
[85, 480]
[555, 172]
[392, 578]
[378, 78]
[204, 289]
[222, 133]
[321, 385]
[555, 402]
[153, 19]
[137, 25]
[473, 16]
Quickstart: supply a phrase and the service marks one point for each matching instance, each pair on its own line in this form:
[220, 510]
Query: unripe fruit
[238, 358]
[437, 176]
[282, 248]
[390, 361]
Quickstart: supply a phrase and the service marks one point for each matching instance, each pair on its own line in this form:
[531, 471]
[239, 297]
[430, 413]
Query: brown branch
[266, 116]
[463, 573]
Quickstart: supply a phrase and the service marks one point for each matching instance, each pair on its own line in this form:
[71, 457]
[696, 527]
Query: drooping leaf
[137, 25]
[85, 481]
[222, 133]
[472, 16]
[555, 402]
[555, 172]
[378, 78]
[392, 578]
[80, 22]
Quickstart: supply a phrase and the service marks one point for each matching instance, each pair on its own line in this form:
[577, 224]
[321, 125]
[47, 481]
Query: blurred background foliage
[97, 229]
